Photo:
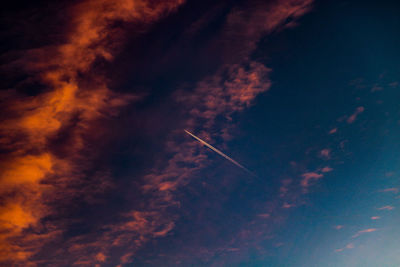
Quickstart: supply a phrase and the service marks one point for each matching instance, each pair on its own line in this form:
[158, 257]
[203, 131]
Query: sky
[293, 156]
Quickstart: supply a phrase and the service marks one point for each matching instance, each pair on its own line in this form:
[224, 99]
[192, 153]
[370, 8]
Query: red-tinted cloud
[32, 173]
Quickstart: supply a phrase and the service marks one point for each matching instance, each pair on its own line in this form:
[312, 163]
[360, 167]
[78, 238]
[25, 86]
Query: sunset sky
[200, 133]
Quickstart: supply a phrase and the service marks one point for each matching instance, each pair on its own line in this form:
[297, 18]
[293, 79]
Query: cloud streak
[220, 153]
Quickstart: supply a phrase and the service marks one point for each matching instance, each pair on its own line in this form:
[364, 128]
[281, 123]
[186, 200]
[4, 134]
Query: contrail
[220, 152]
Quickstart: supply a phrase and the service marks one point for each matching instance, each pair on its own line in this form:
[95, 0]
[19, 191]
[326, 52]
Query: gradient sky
[97, 170]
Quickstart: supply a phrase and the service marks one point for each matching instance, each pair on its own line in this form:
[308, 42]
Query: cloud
[325, 153]
[348, 246]
[33, 173]
[36, 176]
[308, 176]
[386, 208]
[338, 227]
[392, 190]
[287, 205]
[212, 102]
[247, 23]
[326, 169]
[334, 130]
[375, 217]
[376, 88]
[353, 116]
[370, 230]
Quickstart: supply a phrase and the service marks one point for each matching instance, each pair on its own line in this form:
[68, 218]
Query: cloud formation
[46, 135]
[33, 171]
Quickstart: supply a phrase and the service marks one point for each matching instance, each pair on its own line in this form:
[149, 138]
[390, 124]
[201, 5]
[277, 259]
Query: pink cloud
[334, 130]
[375, 218]
[338, 227]
[308, 176]
[326, 169]
[348, 246]
[287, 205]
[353, 117]
[325, 153]
[386, 208]
[370, 230]
[393, 190]
[285, 187]
[264, 215]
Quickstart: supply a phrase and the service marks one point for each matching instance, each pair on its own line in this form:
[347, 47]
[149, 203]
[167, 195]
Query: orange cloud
[72, 91]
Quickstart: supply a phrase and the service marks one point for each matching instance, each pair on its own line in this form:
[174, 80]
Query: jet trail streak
[219, 152]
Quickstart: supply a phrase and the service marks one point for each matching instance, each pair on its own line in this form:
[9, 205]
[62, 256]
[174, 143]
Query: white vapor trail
[219, 152]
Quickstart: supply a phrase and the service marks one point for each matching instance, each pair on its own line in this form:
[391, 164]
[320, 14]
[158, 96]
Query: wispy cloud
[309, 176]
[334, 130]
[35, 175]
[326, 169]
[348, 246]
[391, 190]
[353, 116]
[370, 230]
[388, 207]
